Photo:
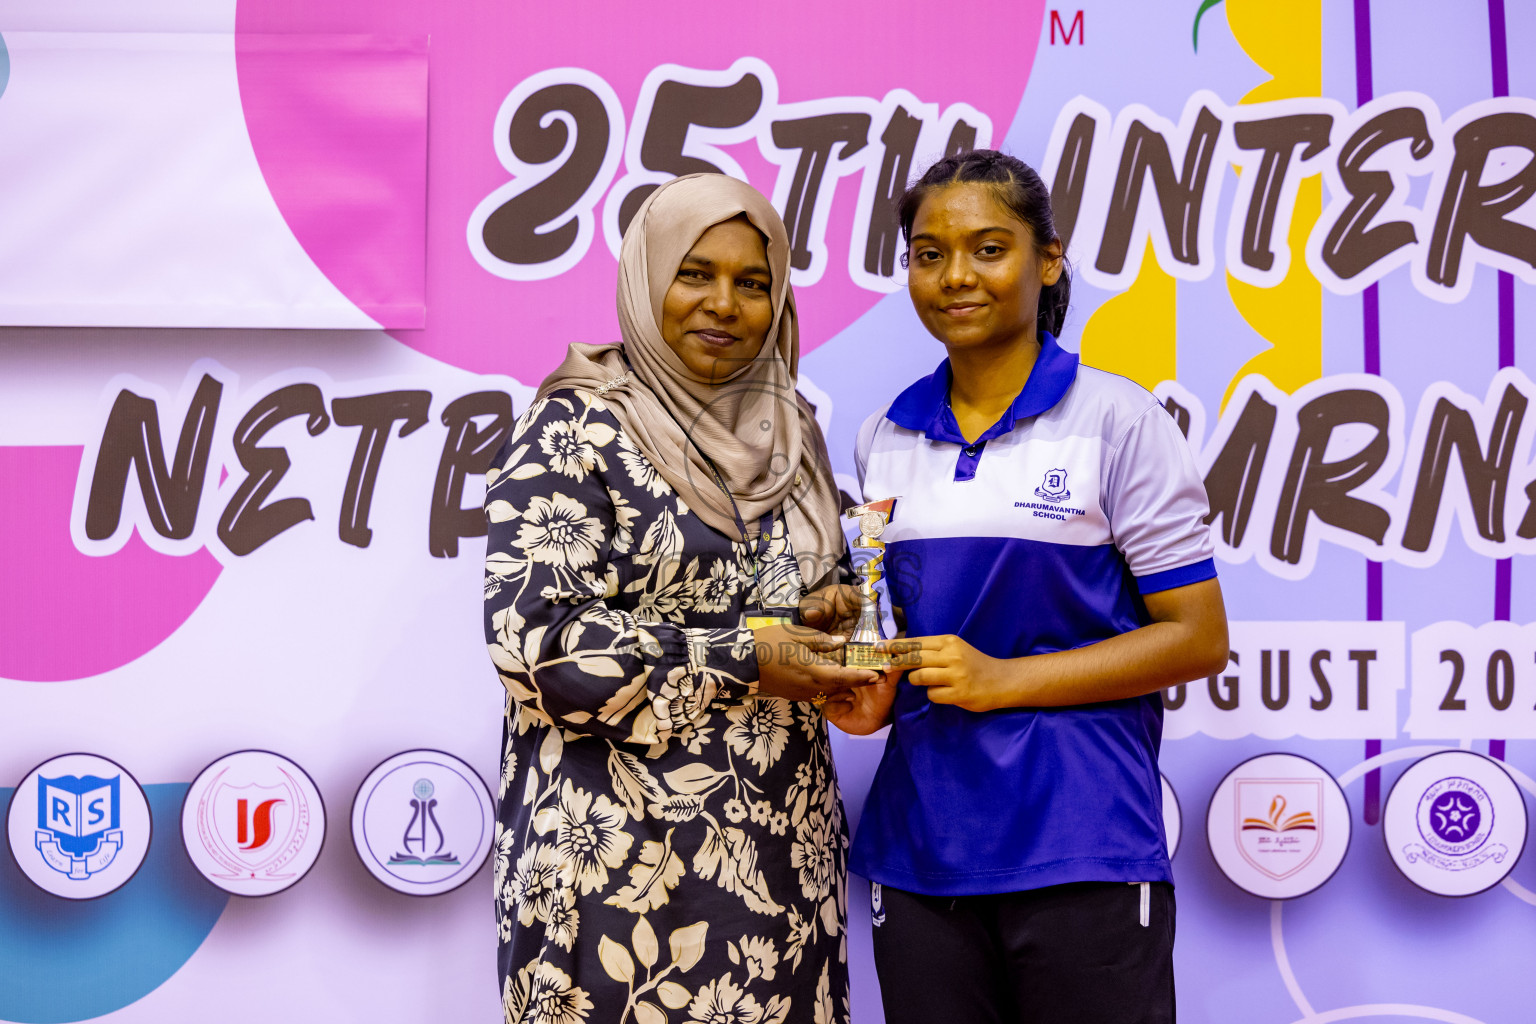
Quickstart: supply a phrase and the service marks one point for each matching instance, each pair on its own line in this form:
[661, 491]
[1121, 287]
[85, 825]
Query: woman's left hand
[833, 609]
[953, 671]
[863, 709]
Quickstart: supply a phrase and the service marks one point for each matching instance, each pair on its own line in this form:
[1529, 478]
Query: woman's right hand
[800, 663]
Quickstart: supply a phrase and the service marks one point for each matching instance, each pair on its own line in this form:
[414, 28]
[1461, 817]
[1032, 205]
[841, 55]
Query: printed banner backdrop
[192, 176]
[279, 274]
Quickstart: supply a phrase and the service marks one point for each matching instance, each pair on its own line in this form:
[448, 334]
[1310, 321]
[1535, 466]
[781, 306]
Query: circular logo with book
[1455, 823]
[1278, 826]
[79, 826]
[422, 822]
[253, 823]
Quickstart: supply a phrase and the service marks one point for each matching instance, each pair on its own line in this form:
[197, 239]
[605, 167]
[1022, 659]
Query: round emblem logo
[79, 826]
[1455, 816]
[253, 823]
[422, 822]
[1053, 487]
[1278, 826]
[1455, 823]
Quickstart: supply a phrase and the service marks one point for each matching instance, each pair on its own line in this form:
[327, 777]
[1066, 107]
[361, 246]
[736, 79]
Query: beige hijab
[758, 432]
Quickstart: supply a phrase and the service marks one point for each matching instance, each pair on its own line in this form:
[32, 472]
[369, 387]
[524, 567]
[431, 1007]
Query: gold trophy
[859, 651]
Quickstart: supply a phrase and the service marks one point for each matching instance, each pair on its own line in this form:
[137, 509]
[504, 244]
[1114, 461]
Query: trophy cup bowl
[873, 516]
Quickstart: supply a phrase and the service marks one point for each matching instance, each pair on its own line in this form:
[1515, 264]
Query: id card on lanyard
[757, 618]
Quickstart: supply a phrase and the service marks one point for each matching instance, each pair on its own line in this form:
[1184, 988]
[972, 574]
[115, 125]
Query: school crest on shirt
[1052, 496]
[1053, 487]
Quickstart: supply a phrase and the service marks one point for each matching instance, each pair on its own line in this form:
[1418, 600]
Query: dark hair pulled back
[1015, 186]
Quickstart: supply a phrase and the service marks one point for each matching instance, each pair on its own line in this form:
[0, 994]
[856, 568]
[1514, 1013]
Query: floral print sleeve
[591, 573]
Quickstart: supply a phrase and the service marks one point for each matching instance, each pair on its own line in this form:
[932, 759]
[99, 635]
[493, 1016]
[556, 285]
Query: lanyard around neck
[764, 525]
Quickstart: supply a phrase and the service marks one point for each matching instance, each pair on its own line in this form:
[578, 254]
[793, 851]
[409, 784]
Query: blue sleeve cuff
[1183, 576]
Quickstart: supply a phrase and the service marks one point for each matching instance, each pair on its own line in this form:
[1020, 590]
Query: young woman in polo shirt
[1050, 555]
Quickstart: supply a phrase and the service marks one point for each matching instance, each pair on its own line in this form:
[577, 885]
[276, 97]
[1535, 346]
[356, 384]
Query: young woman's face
[974, 270]
[718, 309]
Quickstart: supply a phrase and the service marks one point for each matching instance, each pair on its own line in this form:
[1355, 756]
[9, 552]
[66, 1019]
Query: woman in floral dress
[670, 842]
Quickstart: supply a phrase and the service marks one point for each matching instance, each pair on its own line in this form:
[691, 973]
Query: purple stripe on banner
[1499, 57]
[1371, 315]
[1371, 335]
[1503, 569]
[1363, 50]
[1498, 47]
[1372, 810]
[1503, 582]
[1506, 319]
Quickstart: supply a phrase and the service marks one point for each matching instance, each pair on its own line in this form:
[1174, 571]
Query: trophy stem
[868, 629]
[859, 651]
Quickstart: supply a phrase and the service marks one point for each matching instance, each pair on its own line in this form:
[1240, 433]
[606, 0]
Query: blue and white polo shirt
[1042, 536]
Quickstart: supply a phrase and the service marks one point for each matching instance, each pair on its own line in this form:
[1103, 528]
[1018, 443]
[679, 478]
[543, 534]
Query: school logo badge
[253, 823]
[1281, 824]
[79, 826]
[1456, 818]
[1278, 826]
[422, 822]
[1455, 823]
[1054, 487]
[78, 823]
[416, 836]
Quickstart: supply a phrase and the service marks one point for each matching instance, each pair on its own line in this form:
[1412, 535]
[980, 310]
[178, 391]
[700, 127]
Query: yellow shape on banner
[1286, 40]
[1135, 334]
[1290, 315]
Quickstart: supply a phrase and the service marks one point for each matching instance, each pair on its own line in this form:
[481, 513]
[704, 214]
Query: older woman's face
[718, 309]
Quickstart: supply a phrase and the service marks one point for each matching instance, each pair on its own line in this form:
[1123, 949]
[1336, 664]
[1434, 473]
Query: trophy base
[863, 655]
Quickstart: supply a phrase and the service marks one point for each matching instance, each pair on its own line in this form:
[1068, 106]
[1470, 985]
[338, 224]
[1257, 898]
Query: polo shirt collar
[925, 405]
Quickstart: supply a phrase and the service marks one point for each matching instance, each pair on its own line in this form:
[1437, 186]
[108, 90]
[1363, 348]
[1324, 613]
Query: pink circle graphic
[75, 615]
[311, 152]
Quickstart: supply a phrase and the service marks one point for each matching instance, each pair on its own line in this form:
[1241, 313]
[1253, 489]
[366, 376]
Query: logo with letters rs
[78, 826]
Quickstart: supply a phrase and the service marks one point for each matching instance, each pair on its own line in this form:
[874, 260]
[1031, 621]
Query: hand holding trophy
[873, 516]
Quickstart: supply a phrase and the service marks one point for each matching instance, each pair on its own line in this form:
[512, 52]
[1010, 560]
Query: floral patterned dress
[669, 846]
